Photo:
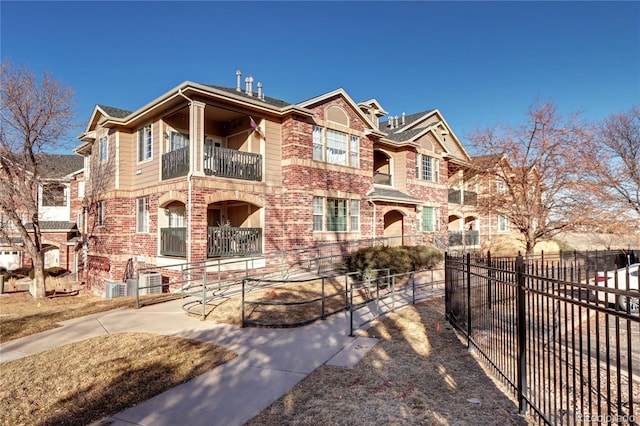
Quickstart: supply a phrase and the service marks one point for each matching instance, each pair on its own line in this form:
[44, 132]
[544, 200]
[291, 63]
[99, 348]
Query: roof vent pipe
[403, 118]
[396, 118]
[250, 86]
[259, 90]
[239, 79]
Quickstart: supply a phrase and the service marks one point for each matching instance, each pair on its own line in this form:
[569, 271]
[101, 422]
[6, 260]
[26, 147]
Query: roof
[384, 194]
[57, 166]
[486, 161]
[114, 112]
[54, 225]
[266, 99]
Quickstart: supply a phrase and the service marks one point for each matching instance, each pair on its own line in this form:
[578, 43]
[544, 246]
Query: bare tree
[34, 117]
[533, 177]
[611, 181]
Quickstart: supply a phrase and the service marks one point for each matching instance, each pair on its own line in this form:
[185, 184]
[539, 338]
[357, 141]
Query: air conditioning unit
[112, 290]
[150, 283]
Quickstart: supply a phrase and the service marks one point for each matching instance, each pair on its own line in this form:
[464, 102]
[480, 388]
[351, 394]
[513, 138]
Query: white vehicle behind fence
[626, 281]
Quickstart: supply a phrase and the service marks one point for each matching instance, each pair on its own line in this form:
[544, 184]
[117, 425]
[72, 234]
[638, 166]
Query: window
[503, 223]
[53, 195]
[354, 151]
[430, 168]
[81, 189]
[176, 216]
[336, 215]
[317, 143]
[354, 212]
[336, 147]
[79, 221]
[100, 213]
[142, 215]
[104, 149]
[318, 213]
[341, 215]
[430, 219]
[501, 186]
[178, 140]
[145, 143]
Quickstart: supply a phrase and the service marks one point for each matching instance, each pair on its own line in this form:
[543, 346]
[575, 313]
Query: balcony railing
[175, 163]
[231, 163]
[467, 198]
[454, 196]
[381, 178]
[470, 238]
[470, 198]
[230, 241]
[173, 242]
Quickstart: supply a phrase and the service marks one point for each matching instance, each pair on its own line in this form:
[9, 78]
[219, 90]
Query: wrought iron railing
[231, 163]
[381, 178]
[470, 198]
[225, 241]
[454, 196]
[173, 242]
[175, 163]
[468, 238]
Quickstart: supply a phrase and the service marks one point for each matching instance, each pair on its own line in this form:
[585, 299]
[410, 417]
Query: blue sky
[479, 63]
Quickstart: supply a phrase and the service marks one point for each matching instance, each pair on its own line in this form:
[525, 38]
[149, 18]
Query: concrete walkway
[269, 363]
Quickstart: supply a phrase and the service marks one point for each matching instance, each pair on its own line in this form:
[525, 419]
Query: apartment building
[208, 172]
[57, 216]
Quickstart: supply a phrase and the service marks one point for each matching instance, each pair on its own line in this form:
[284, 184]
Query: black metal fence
[549, 330]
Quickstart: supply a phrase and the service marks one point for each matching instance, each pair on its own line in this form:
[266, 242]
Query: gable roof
[58, 166]
[373, 129]
[114, 112]
[266, 99]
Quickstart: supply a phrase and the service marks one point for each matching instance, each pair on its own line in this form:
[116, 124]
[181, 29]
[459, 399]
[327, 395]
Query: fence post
[244, 280]
[522, 334]
[489, 281]
[468, 300]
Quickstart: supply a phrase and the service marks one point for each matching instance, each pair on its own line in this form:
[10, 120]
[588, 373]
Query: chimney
[403, 118]
[239, 79]
[260, 90]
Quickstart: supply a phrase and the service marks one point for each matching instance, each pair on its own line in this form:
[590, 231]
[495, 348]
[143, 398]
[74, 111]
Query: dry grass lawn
[83, 382]
[419, 374]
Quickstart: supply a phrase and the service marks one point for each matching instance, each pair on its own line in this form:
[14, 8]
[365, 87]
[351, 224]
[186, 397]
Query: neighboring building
[58, 228]
[206, 172]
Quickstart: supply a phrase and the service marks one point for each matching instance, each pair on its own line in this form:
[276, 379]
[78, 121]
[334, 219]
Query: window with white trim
[354, 151]
[354, 214]
[430, 219]
[336, 214]
[54, 195]
[178, 140]
[145, 143]
[503, 223]
[501, 186]
[142, 215]
[335, 147]
[318, 213]
[427, 168]
[100, 207]
[104, 149]
[318, 145]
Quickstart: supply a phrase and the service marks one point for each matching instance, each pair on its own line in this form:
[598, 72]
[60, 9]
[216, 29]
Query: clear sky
[479, 63]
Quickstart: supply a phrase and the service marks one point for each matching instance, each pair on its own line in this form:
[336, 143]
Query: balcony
[224, 162]
[468, 198]
[173, 242]
[466, 238]
[381, 178]
[175, 163]
[226, 241]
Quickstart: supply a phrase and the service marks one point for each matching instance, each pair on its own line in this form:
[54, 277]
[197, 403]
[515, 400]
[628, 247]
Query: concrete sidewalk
[269, 362]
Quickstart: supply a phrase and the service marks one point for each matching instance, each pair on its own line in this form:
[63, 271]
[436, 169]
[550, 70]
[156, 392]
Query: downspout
[373, 237]
[189, 183]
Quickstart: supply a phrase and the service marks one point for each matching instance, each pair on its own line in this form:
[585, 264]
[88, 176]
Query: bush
[400, 259]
